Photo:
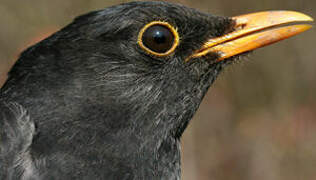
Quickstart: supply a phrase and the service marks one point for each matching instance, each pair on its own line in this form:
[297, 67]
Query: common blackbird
[109, 95]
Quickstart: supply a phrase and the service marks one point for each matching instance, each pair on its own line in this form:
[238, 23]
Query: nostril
[240, 26]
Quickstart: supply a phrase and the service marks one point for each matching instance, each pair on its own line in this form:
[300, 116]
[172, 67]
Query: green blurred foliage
[258, 121]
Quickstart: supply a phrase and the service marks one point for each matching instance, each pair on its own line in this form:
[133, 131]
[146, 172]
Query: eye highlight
[158, 38]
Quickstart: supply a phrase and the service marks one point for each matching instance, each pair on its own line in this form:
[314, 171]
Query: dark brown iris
[158, 38]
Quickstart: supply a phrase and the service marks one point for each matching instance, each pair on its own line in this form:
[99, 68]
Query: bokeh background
[258, 121]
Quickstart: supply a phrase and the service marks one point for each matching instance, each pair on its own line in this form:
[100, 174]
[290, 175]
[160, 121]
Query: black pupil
[158, 38]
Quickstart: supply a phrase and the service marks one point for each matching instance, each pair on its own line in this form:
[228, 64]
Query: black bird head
[129, 78]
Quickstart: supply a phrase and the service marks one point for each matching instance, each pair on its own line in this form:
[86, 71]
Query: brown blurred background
[259, 119]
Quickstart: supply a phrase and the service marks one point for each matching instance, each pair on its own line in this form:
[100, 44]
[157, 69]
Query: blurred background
[258, 121]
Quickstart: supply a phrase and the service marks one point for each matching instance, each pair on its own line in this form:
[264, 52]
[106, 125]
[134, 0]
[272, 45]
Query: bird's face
[159, 59]
[140, 57]
[149, 64]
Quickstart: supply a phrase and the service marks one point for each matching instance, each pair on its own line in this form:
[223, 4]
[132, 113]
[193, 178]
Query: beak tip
[306, 17]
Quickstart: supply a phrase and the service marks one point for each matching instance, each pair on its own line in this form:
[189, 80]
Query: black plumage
[89, 103]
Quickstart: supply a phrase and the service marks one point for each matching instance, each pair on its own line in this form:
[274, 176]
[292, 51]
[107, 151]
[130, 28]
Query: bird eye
[158, 38]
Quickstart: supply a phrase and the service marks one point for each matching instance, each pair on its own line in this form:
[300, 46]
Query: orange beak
[253, 31]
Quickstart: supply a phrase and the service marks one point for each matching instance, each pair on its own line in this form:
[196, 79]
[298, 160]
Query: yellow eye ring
[162, 24]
